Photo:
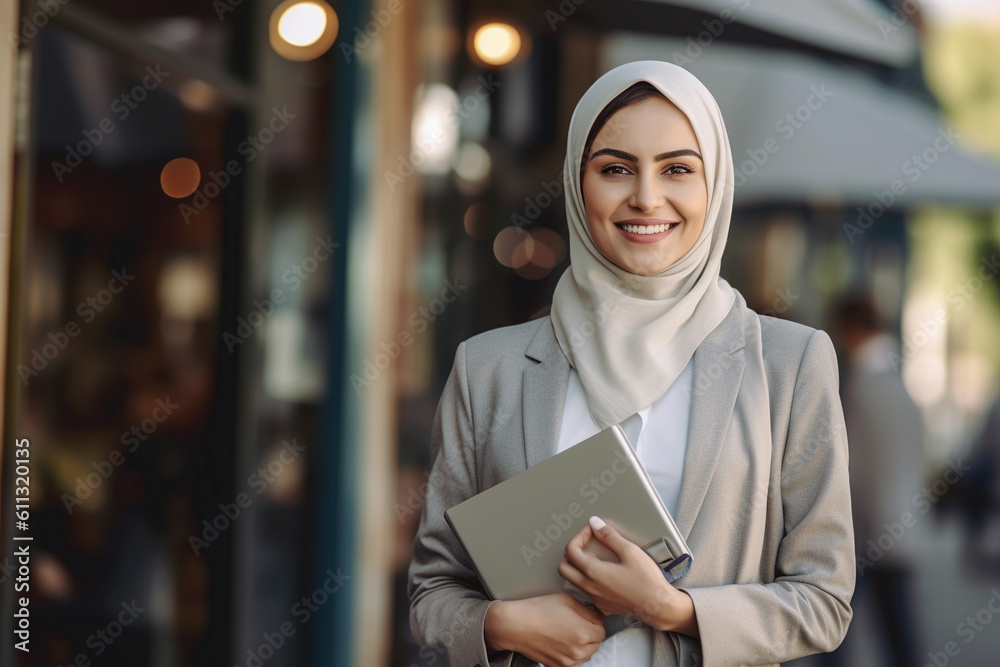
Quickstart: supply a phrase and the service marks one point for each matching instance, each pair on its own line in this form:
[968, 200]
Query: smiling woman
[735, 416]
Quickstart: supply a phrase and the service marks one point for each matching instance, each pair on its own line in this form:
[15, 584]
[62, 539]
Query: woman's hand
[634, 586]
[556, 630]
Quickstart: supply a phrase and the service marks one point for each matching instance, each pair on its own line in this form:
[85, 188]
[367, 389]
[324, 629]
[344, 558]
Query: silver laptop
[516, 531]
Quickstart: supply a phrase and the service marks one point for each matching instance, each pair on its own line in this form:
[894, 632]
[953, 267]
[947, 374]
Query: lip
[646, 238]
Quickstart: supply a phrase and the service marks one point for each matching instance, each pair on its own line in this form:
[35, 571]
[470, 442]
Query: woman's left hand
[634, 586]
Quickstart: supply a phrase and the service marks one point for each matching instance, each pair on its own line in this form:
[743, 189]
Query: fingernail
[596, 523]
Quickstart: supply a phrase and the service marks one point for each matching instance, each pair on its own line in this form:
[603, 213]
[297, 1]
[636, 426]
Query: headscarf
[629, 336]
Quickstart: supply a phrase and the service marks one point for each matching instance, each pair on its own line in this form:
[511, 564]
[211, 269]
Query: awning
[860, 28]
[805, 131]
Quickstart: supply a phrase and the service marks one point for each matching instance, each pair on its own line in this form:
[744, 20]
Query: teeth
[646, 229]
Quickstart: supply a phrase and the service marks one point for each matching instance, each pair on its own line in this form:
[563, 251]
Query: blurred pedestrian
[885, 439]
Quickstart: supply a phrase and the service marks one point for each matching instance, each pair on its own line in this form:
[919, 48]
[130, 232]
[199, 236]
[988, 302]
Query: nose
[647, 193]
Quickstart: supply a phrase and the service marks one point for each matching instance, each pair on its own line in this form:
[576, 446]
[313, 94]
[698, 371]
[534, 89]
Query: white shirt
[661, 445]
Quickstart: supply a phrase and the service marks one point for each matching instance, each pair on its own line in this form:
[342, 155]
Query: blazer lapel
[716, 376]
[543, 391]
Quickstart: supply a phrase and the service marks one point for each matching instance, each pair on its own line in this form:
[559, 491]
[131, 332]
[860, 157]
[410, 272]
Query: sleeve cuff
[717, 645]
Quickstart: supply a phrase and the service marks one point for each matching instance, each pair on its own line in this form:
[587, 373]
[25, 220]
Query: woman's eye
[684, 170]
[614, 169]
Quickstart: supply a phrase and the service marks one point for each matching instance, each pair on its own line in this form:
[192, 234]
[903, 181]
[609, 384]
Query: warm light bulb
[497, 43]
[302, 24]
[302, 30]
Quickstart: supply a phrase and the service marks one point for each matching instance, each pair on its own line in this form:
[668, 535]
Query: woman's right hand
[556, 630]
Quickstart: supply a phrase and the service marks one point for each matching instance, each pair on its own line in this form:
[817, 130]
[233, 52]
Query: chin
[646, 269]
[649, 264]
[640, 261]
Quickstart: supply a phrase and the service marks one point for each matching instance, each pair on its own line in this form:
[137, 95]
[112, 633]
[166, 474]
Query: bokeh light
[535, 257]
[477, 220]
[186, 288]
[508, 246]
[302, 30]
[549, 248]
[496, 43]
[530, 271]
[532, 254]
[473, 162]
[302, 24]
[180, 177]
[197, 95]
[433, 130]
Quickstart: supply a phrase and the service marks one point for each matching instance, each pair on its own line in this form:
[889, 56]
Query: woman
[739, 421]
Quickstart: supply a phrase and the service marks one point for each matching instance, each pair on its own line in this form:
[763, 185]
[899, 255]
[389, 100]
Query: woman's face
[644, 187]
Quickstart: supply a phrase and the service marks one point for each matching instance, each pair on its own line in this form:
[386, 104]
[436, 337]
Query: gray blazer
[757, 603]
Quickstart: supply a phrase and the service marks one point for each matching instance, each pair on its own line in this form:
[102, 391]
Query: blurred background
[240, 241]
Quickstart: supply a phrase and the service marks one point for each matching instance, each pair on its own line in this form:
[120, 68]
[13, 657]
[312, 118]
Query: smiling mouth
[643, 230]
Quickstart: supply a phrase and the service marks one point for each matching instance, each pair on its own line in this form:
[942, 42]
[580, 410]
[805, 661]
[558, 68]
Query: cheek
[598, 213]
[693, 198]
[598, 233]
[695, 209]
[593, 207]
[601, 199]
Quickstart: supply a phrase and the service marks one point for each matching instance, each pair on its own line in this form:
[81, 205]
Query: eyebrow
[628, 156]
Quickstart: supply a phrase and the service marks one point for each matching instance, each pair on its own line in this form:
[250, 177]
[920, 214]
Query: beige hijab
[629, 336]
